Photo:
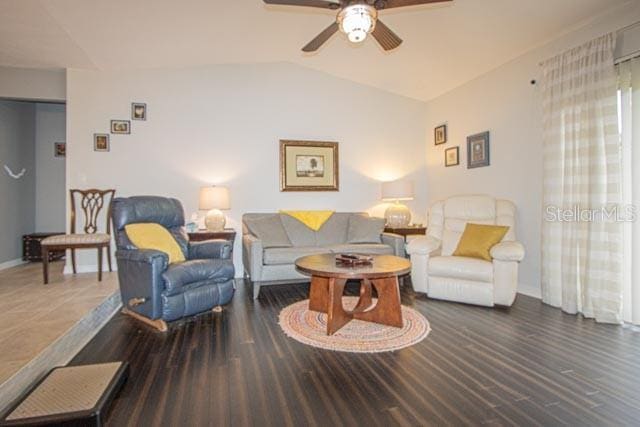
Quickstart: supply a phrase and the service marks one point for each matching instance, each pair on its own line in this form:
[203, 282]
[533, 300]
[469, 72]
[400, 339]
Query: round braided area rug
[357, 336]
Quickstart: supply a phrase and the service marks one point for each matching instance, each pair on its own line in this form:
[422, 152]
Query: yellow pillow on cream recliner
[154, 236]
[478, 239]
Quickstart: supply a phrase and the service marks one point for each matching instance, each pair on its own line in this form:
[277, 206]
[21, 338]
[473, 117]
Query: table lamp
[397, 215]
[213, 199]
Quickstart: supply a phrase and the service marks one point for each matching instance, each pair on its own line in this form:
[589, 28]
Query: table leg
[45, 264]
[319, 294]
[336, 316]
[387, 310]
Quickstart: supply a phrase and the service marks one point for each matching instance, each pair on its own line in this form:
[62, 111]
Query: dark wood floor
[528, 365]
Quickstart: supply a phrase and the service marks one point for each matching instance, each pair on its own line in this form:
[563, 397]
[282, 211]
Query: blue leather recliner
[154, 291]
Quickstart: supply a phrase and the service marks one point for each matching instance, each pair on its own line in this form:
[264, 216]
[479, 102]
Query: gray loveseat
[271, 242]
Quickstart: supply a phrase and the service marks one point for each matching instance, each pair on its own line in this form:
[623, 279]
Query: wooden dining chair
[91, 203]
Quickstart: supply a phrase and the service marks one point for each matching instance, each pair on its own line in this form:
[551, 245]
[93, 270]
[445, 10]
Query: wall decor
[101, 142]
[138, 111]
[121, 127]
[440, 134]
[60, 149]
[452, 156]
[14, 175]
[309, 166]
[478, 150]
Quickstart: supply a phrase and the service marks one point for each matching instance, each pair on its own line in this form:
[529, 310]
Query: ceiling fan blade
[387, 38]
[323, 4]
[390, 4]
[321, 38]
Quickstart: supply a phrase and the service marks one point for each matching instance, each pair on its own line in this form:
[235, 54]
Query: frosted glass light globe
[357, 21]
[357, 36]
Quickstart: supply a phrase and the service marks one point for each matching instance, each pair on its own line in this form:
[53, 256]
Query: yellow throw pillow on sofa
[155, 236]
[478, 239]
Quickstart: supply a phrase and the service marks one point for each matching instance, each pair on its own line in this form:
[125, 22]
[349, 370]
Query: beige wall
[506, 104]
[32, 84]
[222, 125]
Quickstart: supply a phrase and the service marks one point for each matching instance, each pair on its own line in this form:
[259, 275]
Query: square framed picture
[122, 127]
[440, 134]
[101, 142]
[138, 111]
[452, 156]
[478, 150]
[60, 149]
[309, 166]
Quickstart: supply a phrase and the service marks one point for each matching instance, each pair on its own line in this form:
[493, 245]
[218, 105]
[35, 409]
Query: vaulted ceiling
[444, 45]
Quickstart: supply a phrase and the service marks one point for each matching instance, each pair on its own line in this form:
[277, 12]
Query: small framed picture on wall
[138, 111]
[440, 134]
[478, 150]
[452, 156]
[60, 149]
[122, 127]
[100, 142]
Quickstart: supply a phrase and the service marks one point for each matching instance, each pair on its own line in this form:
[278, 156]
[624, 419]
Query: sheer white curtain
[629, 123]
[582, 256]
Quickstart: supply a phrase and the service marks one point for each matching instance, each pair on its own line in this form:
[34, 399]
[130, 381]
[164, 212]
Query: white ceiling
[444, 45]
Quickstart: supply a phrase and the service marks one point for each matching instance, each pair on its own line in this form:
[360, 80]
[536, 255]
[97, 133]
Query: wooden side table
[407, 231]
[200, 235]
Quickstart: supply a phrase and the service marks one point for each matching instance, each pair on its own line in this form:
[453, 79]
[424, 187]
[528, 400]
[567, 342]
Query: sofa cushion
[364, 229]
[334, 230]
[461, 268]
[363, 248]
[298, 233]
[199, 270]
[280, 256]
[269, 230]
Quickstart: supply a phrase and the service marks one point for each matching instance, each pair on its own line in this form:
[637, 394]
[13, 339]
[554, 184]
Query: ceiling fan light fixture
[357, 21]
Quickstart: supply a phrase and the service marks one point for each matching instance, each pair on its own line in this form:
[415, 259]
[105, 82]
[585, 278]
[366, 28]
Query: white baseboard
[12, 263]
[530, 291]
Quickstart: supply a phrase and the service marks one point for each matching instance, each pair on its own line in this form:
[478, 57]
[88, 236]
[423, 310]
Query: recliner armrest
[508, 251]
[423, 245]
[140, 278]
[148, 256]
[208, 249]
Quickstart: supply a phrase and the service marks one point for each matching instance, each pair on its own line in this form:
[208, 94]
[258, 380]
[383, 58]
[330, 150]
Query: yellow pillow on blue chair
[478, 239]
[155, 236]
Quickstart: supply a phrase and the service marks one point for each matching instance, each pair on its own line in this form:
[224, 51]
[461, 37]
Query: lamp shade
[397, 190]
[214, 198]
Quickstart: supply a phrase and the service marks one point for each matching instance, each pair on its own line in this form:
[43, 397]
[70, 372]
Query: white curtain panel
[581, 246]
[629, 86]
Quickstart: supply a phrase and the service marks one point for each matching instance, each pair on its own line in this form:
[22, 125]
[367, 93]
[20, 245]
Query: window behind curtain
[629, 126]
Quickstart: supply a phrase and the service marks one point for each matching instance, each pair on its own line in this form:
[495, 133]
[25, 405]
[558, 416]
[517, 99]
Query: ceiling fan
[356, 18]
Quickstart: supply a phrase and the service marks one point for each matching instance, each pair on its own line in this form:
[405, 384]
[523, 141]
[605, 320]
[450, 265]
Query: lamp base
[215, 220]
[397, 216]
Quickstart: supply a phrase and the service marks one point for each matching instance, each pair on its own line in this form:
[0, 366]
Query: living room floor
[527, 365]
[33, 316]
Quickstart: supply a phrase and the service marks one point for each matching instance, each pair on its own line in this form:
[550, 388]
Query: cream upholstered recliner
[469, 280]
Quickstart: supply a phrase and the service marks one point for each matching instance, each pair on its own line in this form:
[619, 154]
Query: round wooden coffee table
[327, 286]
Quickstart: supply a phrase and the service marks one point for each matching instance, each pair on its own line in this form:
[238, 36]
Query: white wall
[17, 123]
[505, 103]
[32, 84]
[50, 170]
[222, 124]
